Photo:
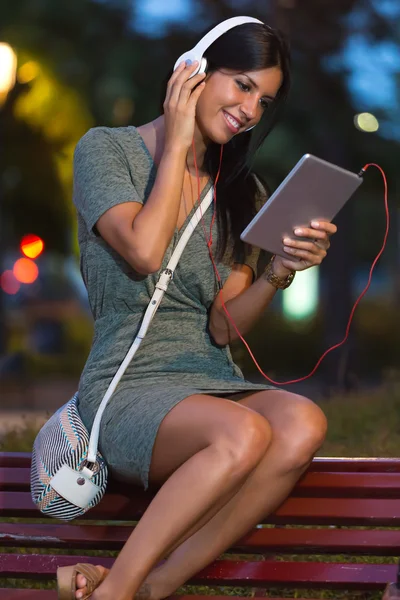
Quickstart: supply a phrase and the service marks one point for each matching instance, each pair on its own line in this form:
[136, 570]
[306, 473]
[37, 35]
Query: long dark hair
[247, 47]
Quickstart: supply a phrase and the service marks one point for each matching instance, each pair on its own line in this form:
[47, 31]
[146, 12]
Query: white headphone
[197, 52]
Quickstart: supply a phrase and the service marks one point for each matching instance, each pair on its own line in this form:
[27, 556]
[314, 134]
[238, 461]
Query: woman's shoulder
[112, 147]
[108, 137]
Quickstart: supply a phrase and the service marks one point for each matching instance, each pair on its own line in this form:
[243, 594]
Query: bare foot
[144, 592]
[81, 581]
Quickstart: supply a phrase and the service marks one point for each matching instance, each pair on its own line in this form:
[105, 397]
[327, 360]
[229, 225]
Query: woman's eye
[243, 86]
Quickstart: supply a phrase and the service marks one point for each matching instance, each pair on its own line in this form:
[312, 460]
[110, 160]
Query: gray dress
[178, 357]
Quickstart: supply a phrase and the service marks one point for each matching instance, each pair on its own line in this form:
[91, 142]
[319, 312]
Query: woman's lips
[229, 122]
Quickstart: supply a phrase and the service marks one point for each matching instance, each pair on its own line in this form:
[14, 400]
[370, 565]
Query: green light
[366, 122]
[300, 300]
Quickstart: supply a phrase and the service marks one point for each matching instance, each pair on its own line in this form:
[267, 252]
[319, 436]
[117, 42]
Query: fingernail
[287, 249]
[298, 231]
[79, 594]
[287, 240]
[315, 223]
[188, 62]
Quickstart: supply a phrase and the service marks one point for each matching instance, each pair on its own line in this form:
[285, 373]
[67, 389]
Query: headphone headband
[197, 52]
[220, 29]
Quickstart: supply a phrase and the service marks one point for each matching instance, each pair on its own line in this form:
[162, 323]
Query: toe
[80, 584]
[80, 581]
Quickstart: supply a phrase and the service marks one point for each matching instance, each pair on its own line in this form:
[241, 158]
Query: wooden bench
[333, 499]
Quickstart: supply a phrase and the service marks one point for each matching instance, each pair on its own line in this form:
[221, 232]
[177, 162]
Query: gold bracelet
[281, 283]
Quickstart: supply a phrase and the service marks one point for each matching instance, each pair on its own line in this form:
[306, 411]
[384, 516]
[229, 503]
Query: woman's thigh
[195, 423]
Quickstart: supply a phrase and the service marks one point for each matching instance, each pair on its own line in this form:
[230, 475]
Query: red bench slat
[298, 511]
[227, 572]
[356, 465]
[15, 459]
[318, 483]
[298, 574]
[331, 464]
[262, 541]
[339, 511]
[12, 594]
[14, 479]
[321, 541]
[347, 485]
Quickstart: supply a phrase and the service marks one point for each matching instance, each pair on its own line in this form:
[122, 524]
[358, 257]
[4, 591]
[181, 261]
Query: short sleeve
[102, 177]
[257, 258]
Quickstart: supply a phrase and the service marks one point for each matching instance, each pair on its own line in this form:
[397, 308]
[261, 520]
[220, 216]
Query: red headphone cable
[209, 244]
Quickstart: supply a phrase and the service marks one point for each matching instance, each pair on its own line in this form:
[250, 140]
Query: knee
[304, 435]
[247, 443]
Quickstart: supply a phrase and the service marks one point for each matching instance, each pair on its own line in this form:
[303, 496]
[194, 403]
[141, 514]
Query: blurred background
[66, 67]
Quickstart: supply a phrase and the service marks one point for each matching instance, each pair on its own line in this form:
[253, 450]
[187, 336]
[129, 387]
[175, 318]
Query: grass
[365, 424]
[362, 425]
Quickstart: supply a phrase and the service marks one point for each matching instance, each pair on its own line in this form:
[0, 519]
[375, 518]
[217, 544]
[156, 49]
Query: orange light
[8, 283]
[32, 245]
[25, 270]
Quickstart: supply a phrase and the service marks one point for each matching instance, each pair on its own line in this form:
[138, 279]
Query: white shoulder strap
[161, 288]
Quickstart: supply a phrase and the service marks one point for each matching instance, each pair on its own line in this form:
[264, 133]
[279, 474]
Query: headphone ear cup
[203, 66]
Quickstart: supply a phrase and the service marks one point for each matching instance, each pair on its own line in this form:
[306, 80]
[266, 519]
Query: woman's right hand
[180, 106]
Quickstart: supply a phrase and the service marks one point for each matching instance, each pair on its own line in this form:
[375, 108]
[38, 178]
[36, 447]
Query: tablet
[313, 190]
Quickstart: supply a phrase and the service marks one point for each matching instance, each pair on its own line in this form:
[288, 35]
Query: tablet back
[313, 190]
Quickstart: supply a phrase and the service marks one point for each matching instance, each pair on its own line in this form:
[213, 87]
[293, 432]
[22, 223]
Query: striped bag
[61, 447]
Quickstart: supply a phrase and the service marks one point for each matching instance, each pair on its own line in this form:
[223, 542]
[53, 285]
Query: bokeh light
[123, 110]
[8, 283]
[366, 122]
[25, 270]
[31, 245]
[28, 71]
[300, 300]
[8, 65]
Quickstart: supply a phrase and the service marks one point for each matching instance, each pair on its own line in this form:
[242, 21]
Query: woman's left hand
[307, 254]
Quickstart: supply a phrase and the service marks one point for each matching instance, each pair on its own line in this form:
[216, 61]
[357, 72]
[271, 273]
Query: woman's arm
[141, 234]
[246, 302]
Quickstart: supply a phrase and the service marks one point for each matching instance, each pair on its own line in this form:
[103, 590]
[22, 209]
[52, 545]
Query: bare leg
[298, 430]
[205, 448]
[144, 592]
[263, 491]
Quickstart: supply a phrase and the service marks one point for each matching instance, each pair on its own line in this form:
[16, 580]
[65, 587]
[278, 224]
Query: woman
[225, 452]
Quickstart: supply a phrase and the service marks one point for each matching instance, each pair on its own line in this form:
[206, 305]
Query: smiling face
[233, 101]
